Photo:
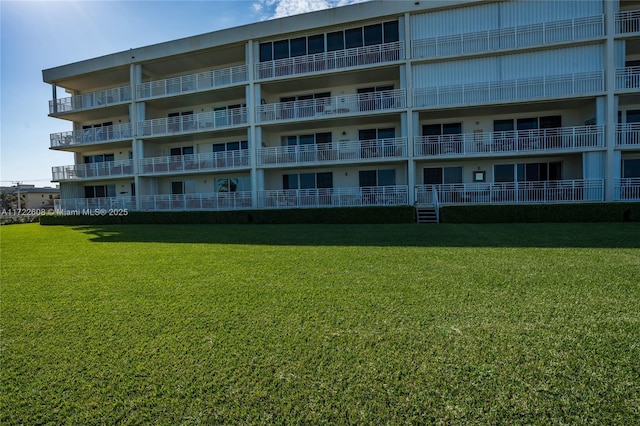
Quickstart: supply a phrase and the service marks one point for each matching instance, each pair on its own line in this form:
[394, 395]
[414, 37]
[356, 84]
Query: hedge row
[400, 214]
[529, 213]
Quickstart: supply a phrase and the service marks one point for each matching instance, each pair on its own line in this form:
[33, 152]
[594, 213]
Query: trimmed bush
[532, 213]
[350, 215]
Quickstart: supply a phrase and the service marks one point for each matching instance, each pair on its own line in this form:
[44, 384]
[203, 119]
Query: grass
[385, 324]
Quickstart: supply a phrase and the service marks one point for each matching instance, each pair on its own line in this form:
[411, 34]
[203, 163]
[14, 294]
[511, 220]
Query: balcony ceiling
[186, 64]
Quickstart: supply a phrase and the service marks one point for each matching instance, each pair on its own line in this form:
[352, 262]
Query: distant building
[34, 198]
[423, 103]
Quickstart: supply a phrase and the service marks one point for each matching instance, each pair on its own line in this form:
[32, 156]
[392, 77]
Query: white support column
[136, 113]
[610, 108]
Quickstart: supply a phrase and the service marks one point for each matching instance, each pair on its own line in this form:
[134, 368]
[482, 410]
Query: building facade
[422, 103]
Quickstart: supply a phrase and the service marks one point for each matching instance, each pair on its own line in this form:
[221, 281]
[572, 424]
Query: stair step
[426, 215]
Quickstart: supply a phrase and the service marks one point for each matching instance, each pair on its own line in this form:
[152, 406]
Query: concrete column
[611, 105]
[54, 97]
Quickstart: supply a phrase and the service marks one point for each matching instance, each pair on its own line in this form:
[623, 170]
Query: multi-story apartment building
[380, 103]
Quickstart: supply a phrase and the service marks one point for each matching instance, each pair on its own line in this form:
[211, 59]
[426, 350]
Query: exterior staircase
[427, 213]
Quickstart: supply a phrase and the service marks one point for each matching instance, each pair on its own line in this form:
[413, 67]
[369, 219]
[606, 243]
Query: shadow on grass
[596, 235]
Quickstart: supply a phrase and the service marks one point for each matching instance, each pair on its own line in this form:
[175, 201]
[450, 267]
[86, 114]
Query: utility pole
[18, 191]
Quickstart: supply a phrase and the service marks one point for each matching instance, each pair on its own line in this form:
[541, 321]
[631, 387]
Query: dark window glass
[292, 140]
[373, 34]
[367, 134]
[535, 172]
[307, 180]
[527, 123]
[88, 159]
[176, 151]
[298, 46]
[219, 147]
[89, 192]
[551, 122]
[452, 129]
[502, 125]
[631, 168]
[431, 130]
[111, 190]
[633, 116]
[244, 144]
[389, 133]
[100, 191]
[133, 189]
[453, 175]
[323, 137]
[281, 49]
[306, 139]
[432, 175]
[520, 172]
[266, 52]
[555, 170]
[386, 177]
[335, 41]
[325, 180]
[187, 150]
[233, 146]
[315, 44]
[289, 181]
[391, 33]
[367, 178]
[353, 38]
[503, 173]
[177, 188]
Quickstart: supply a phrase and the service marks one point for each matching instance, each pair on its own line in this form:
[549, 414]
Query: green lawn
[384, 324]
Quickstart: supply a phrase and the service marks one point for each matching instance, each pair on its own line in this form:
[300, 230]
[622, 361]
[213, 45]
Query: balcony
[206, 121]
[331, 61]
[90, 136]
[549, 192]
[334, 152]
[320, 108]
[193, 82]
[509, 38]
[627, 189]
[628, 78]
[514, 142]
[206, 201]
[91, 100]
[106, 169]
[628, 22]
[195, 162]
[90, 205]
[502, 91]
[628, 134]
[395, 195]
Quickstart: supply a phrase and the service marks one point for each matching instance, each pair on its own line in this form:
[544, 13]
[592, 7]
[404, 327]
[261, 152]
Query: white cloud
[270, 9]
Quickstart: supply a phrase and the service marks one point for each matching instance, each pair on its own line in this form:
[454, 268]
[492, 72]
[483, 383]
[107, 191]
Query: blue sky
[37, 35]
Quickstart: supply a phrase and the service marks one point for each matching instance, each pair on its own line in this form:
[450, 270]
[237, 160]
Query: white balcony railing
[195, 162]
[97, 99]
[334, 152]
[627, 189]
[192, 123]
[394, 195]
[329, 61]
[332, 106]
[628, 78]
[509, 38]
[560, 191]
[90, 205]
[562, 138]
[205, 201]
[628, 134]
[91, 136]
[201, 81]
[510, 90]
[93, 170]
[628, 22]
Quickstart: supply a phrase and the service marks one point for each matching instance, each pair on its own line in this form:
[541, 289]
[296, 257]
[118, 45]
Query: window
[266, 52]
[307, 180]
[631, 168]
[99, 191]
[177, 188]
[527, 172]
[234, 184]
[353, 38]
[184, 150]
[633, 116]
[281, 49]
[298, 46]
[335, 41]
[527, 123]
[503, 125]
[551, 122]
[440, 175]
[385, 177]
[315, 44]
[99, 158]
[372, 34]
[230, 146]
[441, 129]
[391, 33]
[372, 98]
